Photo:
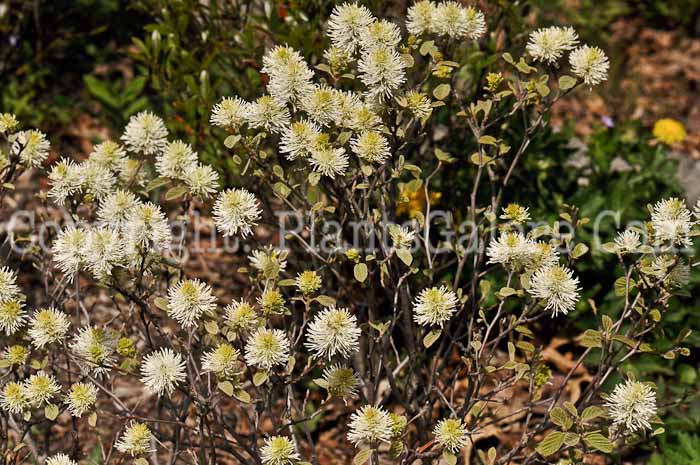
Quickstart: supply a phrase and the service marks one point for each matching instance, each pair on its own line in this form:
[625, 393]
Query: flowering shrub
[410, 328]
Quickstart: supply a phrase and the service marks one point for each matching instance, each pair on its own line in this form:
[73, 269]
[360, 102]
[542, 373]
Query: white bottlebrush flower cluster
[632, 405]
[188, 300]
[448, 18]
[588, 63]
[333, 331]
[352, 127]
[553, 284]
[370, 425]
[162, 371]
[434, 306]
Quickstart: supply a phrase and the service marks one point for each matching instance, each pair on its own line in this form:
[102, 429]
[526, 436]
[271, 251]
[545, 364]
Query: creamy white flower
[541, 254]
[222, 361]
[236, 211]
[673, 272]
[419, 104]
[162, 370]
[347, 24]
[95, 349]
[401, 236]
[64, 180]
[69, 251]
[434, 306]
[333, 331]
[672, 222]
[202, 181]
[147, 229]
[16, 355]
[40, 388]
[340, 380]
[321, 104]
[230, 112]
[12, 316]
[104, 250]
[269, 262]
[95, 179]
[557, 286]
[81, 398]
[267, 348]
[296, 141]
[380, 34]
[266, 112]
[115, 209]
[362, 118]
[279, 450]
[136, 440]
[451, 434]
[590, 64]
[31, 146]
[308, 282]
[290, 76]
[60, 459]
[176, 159]
[240, 316]
[549, 44]
[329, 161]
[515, 213]
[628, 241]
[371, 146]
[271, 301]
[420, 18]
[338, 58]
[133, 173]
[511, 250]
[382, 71]
[452, 19]
[188, 300]
[48, 325]
[632, 404]
[8, 122]
[13, 399]
[145, 133]
[369, 425]
[9, 290]
[109, 155]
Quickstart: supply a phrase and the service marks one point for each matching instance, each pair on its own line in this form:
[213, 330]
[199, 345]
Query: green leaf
[325, 300]
[226, 387]
[362, 456]
[260, 377]
[580, 250]
[449, 458]
[442, 91]
[360, 272]
[140, 461]
[405, 255]
[92, 419]
[431, 337]
[212, 327]
[156, 183]
[51, 412]
[598, 442]
[591, 338]
[566, 82]
[175, 192]
[571, 439]
[161, 303]
[551, 444]
[561, 418]
[101, 91]
[488, 140]
[231, 141]
[594, 411]
[242, 395]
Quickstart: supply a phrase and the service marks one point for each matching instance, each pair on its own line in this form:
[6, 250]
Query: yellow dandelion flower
[669, 131]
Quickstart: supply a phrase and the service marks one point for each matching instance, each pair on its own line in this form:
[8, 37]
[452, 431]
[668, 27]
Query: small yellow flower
[416, 202]
[669, 131]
